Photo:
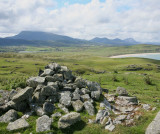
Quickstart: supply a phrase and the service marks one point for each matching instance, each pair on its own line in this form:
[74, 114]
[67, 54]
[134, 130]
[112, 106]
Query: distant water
[155, 56]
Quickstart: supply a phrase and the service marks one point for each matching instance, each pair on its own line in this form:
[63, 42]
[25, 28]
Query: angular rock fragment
[39, 111]
[101, 114]
[121, 91]
[24, 94]
[58, 114]
[47, 72]
[65, 98]
[48, 91]
[126, 101]
[48, 107]
[95, 95]
[153, 127]
[89, 107]
[63, 108]
[10, 116]
[109, 125]
[35, 81]
[85, 97]
[68, 120]
[43, 124]
[18, 124]
[77, 105]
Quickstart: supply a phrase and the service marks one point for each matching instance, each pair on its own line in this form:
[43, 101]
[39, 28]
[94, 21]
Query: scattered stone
[68, 120]
[153, 127]
[109, 125]
[89, 107]
[121, 91]
[77, 105]
[110, 97]
[121, 118]
[43, 124]
[154, 108]
[18, 124]
[10, 116]
[105, 104]
[126, 101]
[146, 107]
[101, 114]
[90, 121]
[129, 122]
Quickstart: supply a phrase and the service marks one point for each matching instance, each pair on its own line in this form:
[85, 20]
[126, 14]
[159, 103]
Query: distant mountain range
[36, 38]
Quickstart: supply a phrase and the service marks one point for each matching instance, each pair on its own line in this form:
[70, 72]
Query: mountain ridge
[50, 39]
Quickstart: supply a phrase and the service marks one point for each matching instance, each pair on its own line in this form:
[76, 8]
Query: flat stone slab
[23, 94]
[154, 126]
[20, 123]
[68, 120]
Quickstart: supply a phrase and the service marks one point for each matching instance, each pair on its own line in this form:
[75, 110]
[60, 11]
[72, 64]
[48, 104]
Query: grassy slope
[16, 68]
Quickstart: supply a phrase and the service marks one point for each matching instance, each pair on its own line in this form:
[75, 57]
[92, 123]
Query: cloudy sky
[85, 19]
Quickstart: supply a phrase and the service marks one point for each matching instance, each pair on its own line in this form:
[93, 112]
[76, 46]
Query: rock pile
[57, 88]
[56, 84]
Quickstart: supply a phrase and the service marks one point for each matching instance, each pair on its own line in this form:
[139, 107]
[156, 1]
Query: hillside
[37, 38]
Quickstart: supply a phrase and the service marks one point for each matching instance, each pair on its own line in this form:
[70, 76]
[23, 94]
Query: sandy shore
[131, 55]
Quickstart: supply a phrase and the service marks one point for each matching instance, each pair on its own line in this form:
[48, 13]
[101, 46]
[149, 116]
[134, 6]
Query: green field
[91, 63]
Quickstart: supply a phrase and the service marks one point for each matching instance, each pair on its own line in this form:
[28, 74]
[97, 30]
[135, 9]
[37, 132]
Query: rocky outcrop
[68, 120]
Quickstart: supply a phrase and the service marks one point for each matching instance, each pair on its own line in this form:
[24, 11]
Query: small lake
[155, 56]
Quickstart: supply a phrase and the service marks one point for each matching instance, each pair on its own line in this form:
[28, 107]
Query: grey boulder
[43, 124]
[121, 91]
[18, 124]
[77, 105]
[48, 107]
[89, 107]
[48, 91]
[153, 127]
[10, 116]
[68, 120]
[95, 95]
[24, 94]
[65, 98]
[47, 72]
[35, 81]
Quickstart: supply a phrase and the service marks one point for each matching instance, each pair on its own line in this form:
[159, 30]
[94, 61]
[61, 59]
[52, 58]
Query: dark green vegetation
[90, 63]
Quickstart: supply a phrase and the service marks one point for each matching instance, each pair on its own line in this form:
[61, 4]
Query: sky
[84, 19]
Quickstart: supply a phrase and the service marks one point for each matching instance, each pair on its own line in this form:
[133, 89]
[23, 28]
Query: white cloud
[138, 19]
